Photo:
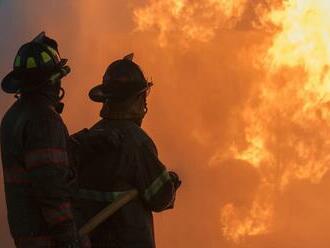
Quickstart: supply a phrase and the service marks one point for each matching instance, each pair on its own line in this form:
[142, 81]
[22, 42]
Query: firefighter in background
[37, 174]
[129, 160]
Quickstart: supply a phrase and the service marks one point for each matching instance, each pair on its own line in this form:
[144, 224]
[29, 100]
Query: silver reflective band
[156, 185]
[63, 72]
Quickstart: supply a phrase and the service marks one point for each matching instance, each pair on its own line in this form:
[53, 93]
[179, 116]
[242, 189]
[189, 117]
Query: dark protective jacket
[37, 175]
[129, 160]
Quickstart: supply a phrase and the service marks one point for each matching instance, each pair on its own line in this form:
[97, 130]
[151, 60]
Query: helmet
[123, 79]
[36, 62]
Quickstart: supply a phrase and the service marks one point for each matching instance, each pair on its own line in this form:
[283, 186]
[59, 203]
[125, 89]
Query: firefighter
[35, 161]
[129, 160]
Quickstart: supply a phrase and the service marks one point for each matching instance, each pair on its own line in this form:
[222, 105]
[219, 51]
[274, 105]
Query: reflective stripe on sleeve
[15, 175]
[156, 185]
[59, 214]
[42, 157]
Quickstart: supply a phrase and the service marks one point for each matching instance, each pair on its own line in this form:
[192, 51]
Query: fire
[191, 19]
[287, 129]
[287, 120]
[240, 224]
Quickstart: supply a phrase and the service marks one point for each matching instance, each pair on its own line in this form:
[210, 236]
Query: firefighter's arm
[46, 160]
[156, 185]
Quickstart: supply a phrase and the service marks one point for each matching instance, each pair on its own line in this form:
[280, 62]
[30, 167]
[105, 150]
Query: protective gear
[175, 179]
[36, 63]
[38, 177]
[122, 80]
[129, 161]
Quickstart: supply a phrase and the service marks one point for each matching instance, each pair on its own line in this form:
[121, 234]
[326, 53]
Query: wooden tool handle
[105, 213]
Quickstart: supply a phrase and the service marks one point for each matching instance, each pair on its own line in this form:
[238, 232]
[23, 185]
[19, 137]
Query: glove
[175, 179]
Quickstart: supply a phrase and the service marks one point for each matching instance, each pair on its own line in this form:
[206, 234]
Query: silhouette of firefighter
[35, 161]
[128, 160]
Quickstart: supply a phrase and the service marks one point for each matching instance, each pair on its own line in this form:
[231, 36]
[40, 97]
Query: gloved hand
[175, 179]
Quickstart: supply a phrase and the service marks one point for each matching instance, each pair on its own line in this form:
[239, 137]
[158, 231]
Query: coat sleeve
[155, 184]
[47, 163]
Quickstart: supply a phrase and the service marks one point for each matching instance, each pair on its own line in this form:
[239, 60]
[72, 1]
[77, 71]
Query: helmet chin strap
[61, 94]
[60, 105]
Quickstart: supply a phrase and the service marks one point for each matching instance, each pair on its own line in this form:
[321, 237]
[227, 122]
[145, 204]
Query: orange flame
[287, 129]
[288, 118]
[192, 20]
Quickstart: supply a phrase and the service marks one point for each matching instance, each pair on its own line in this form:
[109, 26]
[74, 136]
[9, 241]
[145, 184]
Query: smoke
[224, 115]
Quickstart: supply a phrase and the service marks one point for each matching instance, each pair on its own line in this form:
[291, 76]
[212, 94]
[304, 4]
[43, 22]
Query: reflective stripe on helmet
[55, 54]
[62, 73]
[45, 57]
[17, 62]
[31, 63]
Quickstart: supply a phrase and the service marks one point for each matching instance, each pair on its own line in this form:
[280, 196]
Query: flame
[284, 125]
[286, 130]
[240, 224]
[287, 120]
[193, 20]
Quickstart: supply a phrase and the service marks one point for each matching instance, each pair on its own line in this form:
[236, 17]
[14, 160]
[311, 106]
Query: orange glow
[239, 108]
[287, 129]
[194, 20]
[301, 42]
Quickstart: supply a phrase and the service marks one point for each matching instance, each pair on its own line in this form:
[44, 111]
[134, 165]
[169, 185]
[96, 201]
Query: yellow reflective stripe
[31, 63]
[156, 185]
[54, 52]
[17, 61]
[45, 57]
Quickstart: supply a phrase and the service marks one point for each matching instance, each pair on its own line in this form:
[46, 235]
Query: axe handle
[105, 213]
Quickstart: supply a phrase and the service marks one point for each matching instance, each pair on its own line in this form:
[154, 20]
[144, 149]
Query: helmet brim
[10, 83]
[96, 94]
[100, 94]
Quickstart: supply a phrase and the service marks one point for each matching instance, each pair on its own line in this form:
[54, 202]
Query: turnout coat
[37, 175]
[123, 157]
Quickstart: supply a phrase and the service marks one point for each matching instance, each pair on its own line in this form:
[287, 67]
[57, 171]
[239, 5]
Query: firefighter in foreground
[35, 161]
[129, 160]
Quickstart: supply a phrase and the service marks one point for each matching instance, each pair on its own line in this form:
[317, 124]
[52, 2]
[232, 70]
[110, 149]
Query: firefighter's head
[123, 91]
[37, 67]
